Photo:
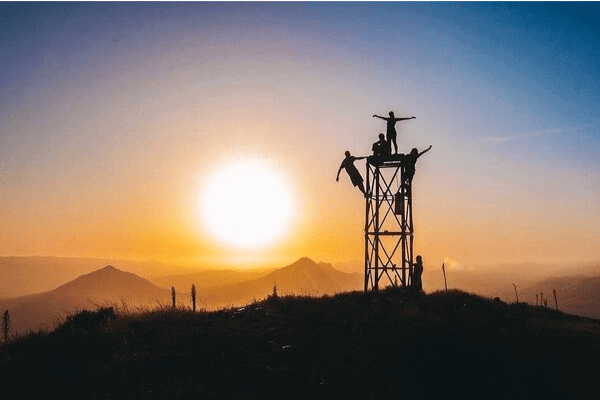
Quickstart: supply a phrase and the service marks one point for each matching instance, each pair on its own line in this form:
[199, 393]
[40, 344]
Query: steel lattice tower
[389, 230]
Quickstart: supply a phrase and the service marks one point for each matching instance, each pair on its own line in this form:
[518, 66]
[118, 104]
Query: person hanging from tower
[391, 129]
[410, 162]
[355, 177]
[381, 148]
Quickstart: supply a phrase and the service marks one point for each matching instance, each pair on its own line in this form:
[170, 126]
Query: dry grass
[390, 344]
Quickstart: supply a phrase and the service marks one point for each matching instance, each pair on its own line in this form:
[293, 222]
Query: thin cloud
[501, 139]
[453, 264]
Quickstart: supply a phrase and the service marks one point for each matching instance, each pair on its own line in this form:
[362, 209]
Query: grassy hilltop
[391, 344]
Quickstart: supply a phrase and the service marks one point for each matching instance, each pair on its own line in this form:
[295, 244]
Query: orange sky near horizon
[110, 134]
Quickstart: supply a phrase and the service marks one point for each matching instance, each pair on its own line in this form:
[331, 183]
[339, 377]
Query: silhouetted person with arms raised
[391, 129]
[410, 162]
[355, 177]
[417, 282]
[381, 148]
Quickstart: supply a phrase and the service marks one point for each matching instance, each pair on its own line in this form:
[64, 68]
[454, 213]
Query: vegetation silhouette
[381, 345]
[6, 325]
[193, 296]
[391, 128]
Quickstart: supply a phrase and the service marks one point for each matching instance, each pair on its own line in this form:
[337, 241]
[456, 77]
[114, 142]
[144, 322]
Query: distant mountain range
[26, 275]
[579, 294]
[106, 286]
[304, 277]
[210, 278]
[111, 286]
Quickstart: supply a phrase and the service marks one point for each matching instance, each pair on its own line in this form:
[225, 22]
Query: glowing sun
[246, 204]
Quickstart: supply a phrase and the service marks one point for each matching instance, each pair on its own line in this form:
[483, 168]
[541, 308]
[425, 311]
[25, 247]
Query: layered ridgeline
[577, 289]
[304, 277]
[111, 286]
[385, 345]
[579, 294]
[107, 286]
[220, 288]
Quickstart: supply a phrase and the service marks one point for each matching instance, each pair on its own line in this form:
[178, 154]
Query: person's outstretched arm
[402, 119]
[379, 116]
[425, 151]
[337, 178]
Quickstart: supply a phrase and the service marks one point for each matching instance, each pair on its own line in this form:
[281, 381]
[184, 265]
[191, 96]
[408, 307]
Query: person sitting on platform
[355, 177]
[411, 160]
[381, 148]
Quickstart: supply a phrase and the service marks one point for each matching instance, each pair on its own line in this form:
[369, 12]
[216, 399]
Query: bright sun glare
[246, 204]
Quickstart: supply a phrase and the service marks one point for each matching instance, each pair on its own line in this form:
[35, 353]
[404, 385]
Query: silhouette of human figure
[391, 129]
[355, 177]
[381, 148]
[410, 162]
[417, 281]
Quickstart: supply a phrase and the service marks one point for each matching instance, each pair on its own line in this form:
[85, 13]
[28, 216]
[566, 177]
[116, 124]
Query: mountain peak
[110, 282]
[305, 263]
[304, 260]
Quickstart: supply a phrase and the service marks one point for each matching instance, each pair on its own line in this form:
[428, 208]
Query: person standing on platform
[355, 177]
[391, 129]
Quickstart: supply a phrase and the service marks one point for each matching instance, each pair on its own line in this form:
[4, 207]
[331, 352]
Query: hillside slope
[303, 277]
[30, 275]
[578, 295]
[387, 345]
[209, 278]
[110, 285]
[25, 275]
[105, 286]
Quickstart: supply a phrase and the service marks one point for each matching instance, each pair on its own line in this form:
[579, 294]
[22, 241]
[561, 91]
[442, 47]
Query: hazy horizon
[116, 120]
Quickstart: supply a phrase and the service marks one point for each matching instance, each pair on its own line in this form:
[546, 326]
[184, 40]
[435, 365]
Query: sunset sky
[115, 117]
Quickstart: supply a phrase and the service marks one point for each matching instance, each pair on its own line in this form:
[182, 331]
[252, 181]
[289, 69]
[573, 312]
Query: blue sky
[108, 109]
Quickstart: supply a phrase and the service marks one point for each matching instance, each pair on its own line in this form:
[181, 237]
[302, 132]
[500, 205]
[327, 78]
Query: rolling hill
[579, 295]
[21, 276]
[380, 345]
[303, 277]
[111, 286]
[25, 275]
[209, 278]
[105, 286]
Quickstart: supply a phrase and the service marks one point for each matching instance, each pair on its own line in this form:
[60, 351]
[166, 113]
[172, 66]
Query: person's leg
[391, 138]
[362, 188]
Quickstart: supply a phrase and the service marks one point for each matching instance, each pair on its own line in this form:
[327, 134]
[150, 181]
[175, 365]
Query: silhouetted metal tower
[389, 230]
